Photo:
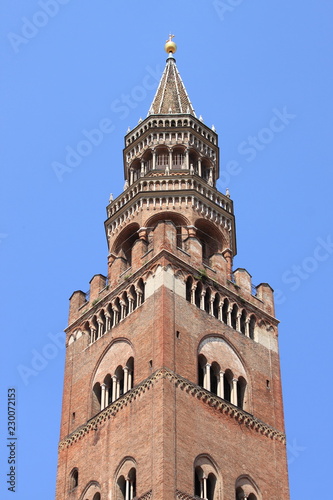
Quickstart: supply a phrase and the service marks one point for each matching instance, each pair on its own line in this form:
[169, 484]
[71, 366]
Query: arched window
[204, 485]
[109, 317]
[114, 375]
[216, 305]
[221, 372]
[205, 169]
[241, 386]
[202, 362]
[126, 482]
[129, 375]
[252, 326]
[147, 161]
[193, 160]
[198, 292]
[189, 284]
[97, 496]
[94, 329]
[74, 479]
[162, 159]
[140, 290]
[243, 322]
[133, 299]
[96, 398]
[102, 323]
[205, 479]
[247, 489]
[178, 159]
[211, 484]
[225, 310]
[234, 313]
[87, 330]
[214, 378]
[108, 391]
[125, 241]
[119, 374]
[227, 385]
[208, 295]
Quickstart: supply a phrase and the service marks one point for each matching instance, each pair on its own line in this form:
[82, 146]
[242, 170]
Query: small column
[131, 490]
[202, 300]
[187, 159]
[221, 311]
[139, 295]
[204, 487]
[114, 388]
[220, 387]
[199, 166]
[122, 310]
[130, 380]
[108, 322]
[107, 401]
[207, 377]
[131, 176]
[127, 491]
[211, 306]
[154, 160]
[118, 388]
[125, 379]
[103, 388]
[115, 314]
[93, 334]
[142, 173]
[100, 328]
[234, 392]
[238, 328]
[247, 327]
[170, 159]
[229, 316]
[193, 288]
[130, 305]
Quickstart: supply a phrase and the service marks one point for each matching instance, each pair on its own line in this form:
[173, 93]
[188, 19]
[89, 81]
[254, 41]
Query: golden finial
[170, 46]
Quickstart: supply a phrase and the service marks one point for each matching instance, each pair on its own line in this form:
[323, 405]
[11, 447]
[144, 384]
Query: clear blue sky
[68, 67]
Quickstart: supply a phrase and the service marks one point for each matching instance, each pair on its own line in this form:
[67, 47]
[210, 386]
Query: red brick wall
[166, 428]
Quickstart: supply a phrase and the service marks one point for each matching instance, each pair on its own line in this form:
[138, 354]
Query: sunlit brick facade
[172, 382]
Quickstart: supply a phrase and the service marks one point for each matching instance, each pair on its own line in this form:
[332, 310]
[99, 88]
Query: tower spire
[171, 96]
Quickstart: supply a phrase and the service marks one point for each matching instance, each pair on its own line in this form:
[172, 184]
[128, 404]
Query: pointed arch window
[206, 483]
[252, 326]
[73, 479]
[126, 485]
[246, 489]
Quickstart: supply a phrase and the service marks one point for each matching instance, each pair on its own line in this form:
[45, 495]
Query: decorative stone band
[159, 202]
[194, 390]
[171, 185]
[146, 496]
[184, 496]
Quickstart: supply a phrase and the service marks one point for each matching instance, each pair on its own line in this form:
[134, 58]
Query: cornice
[183, 384]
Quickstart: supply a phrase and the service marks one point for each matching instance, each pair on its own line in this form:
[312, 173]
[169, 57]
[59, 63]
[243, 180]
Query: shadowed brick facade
[172, 382]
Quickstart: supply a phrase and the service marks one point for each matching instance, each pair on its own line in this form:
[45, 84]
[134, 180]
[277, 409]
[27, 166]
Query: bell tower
[172, 380]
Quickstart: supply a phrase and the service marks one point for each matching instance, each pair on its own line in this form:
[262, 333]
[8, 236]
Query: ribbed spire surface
[171, 96]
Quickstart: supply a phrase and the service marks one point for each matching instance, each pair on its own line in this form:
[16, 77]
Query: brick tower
[172, 382]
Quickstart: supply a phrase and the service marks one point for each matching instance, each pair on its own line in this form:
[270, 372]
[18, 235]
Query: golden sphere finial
[170, 46]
